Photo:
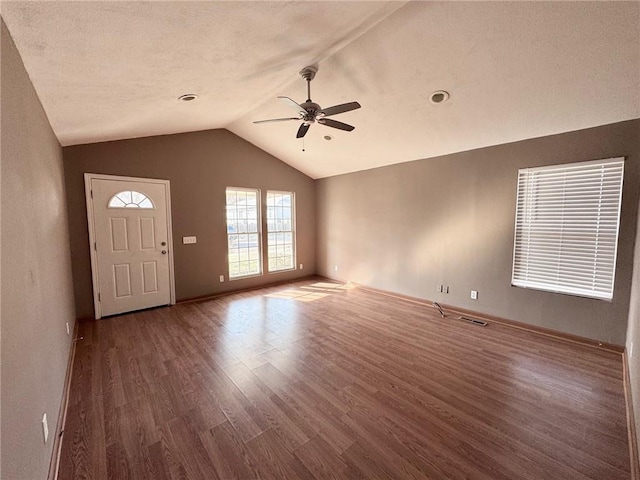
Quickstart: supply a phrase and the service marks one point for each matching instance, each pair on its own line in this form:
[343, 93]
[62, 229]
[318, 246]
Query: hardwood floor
[319, 380]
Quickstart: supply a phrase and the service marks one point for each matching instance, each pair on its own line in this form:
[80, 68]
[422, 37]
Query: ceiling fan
[310, 112]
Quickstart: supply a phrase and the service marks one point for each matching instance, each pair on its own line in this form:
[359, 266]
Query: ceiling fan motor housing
[312, 110]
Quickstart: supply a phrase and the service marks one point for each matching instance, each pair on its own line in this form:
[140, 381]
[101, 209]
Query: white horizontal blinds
[567, 219]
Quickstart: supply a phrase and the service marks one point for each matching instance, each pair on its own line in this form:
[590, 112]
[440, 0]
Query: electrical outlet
[302, 266]
[68, 332]
[335, 268]
[221, 278]
[474, 294]
[45, 428]
[189, 240]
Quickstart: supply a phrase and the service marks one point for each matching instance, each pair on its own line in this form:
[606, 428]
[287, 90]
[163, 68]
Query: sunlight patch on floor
[333, 287]
[297, 294]
[309, 293]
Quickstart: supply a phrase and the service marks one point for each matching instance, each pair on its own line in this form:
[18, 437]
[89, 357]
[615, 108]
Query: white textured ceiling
[515, 70]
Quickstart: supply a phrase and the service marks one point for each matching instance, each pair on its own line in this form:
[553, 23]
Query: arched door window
[130, 199]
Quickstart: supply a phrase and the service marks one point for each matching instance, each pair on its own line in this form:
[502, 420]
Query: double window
[566, 234]
[244, 231]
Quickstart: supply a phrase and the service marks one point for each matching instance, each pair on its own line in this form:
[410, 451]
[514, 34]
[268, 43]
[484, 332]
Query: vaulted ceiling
[514, 70]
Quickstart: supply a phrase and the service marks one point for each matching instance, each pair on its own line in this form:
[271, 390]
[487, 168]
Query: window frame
[292, 231]
[258, 232]
[539, 244]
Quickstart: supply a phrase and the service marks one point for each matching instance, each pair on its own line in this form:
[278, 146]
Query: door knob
[163, 243]
[164, 252]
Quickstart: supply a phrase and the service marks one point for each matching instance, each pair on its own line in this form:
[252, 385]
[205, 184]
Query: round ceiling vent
[328, 138]
[439, 96]
[188, 97]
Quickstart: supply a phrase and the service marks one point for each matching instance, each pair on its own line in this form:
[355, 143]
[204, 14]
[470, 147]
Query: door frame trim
[88, 177]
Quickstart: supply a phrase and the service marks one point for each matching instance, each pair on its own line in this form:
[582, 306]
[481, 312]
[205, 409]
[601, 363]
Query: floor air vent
[475, 321]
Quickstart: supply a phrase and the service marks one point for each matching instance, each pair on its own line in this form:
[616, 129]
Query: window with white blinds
[566, 235]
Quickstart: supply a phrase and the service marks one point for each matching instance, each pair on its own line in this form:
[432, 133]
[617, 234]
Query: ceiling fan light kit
[310, 112]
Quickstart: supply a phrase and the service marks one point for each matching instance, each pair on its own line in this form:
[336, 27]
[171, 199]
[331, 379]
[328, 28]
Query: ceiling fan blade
[302, 131]
[277, 120]
[344, 107]
[291, 104]
[335, 124]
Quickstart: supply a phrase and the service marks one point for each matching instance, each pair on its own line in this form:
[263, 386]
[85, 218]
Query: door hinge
[99, 297]
[91, 193]
[95, 246]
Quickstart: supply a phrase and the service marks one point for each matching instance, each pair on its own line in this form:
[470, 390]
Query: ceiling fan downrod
[309, 73]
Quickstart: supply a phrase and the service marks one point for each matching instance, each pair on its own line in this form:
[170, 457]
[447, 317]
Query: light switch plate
[189, 240]
[474, 294]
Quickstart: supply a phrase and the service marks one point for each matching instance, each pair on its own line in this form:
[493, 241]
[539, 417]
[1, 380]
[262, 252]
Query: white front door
[131, 244]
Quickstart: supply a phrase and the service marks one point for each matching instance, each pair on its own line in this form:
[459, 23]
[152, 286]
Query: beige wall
[37, 291]
[633, 331]
[200, 165]
[450, 220]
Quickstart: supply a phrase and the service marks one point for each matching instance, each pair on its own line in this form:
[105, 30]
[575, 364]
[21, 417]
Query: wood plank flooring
[316, 380]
